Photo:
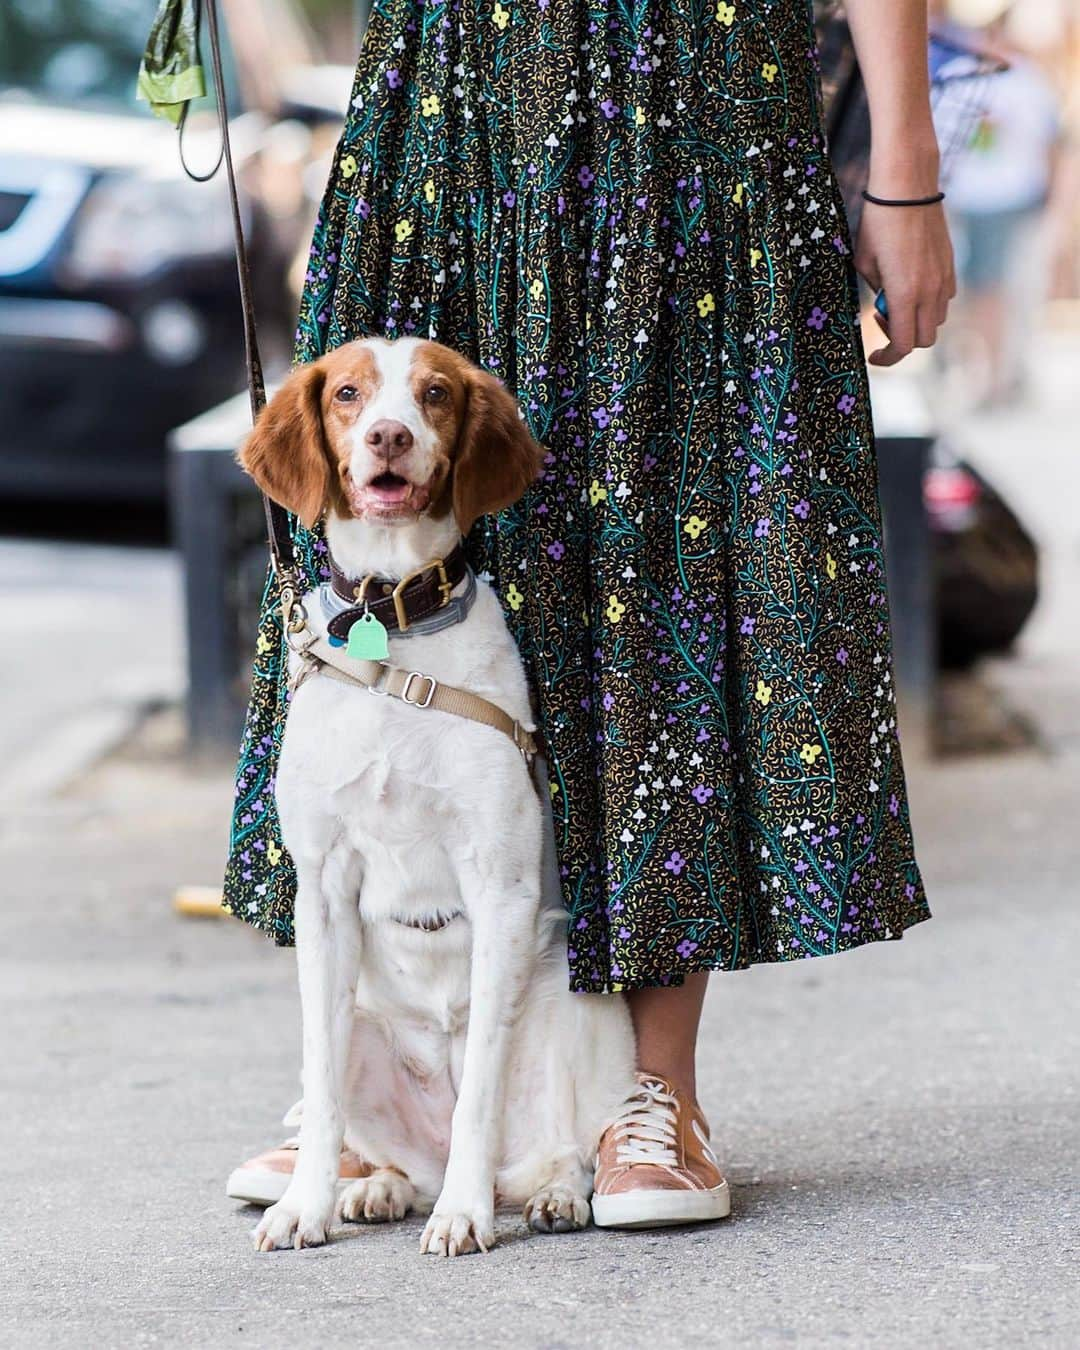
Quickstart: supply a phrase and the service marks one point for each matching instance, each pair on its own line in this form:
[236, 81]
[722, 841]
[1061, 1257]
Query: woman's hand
[903, 249]
[906, 251]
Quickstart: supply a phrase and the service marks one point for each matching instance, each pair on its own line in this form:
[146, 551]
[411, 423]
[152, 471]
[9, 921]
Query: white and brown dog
[440, 1040]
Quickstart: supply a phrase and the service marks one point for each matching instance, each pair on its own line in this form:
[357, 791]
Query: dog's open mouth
[389, 487]
[390, 496]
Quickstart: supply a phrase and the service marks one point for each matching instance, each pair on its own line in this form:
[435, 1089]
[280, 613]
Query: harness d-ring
[293, 614]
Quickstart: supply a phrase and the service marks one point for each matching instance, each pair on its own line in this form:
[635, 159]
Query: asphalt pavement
[92, 641]
[901, 1124]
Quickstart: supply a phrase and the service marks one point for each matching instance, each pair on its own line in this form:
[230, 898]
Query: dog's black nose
[388, 439]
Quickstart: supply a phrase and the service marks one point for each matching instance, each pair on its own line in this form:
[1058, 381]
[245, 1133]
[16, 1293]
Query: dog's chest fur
[413, 795]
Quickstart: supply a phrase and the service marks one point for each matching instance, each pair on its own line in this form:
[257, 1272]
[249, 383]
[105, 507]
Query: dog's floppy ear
[286, 453]
[497, 457]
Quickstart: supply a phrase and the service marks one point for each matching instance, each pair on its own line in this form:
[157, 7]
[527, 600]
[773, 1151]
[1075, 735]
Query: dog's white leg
[327, 958]
[504, 923]
[561, 1202]
[545, 1163]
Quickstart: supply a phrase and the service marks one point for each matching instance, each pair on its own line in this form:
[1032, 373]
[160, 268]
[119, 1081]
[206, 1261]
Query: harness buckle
[445, 586]
[525, 743]
[424, 702]
[373, 687]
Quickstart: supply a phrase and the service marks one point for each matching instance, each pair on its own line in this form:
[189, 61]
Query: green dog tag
[367, 640]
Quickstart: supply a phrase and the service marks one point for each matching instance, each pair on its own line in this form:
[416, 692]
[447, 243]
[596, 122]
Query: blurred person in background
[999, 193]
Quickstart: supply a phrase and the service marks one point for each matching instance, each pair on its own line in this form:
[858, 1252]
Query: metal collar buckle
[424, 702]
[445, 587]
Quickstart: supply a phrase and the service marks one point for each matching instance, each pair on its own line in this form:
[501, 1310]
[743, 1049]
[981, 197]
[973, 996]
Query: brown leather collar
[397, 604]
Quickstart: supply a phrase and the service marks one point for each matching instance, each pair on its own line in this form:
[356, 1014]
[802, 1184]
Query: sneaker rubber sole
[660, 1209]
[257, 1187]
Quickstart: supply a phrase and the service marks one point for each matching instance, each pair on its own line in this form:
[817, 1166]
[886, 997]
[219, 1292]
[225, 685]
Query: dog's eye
[346, 394]
[434, 393]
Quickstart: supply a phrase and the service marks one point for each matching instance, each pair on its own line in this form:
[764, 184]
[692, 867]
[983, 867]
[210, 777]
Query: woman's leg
[666, 1026]
[655, 1164]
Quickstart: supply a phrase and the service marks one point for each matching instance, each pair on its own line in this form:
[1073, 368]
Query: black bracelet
[904, 201]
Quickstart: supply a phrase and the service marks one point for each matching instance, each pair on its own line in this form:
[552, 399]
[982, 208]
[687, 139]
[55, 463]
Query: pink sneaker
[262, 1180]
[655, 1164]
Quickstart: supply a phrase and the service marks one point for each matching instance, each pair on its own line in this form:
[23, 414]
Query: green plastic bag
[170, 74]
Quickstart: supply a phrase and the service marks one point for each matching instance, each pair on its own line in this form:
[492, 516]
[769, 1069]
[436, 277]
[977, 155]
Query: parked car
[119, 311]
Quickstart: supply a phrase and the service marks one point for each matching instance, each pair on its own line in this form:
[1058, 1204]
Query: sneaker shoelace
[645, 1129]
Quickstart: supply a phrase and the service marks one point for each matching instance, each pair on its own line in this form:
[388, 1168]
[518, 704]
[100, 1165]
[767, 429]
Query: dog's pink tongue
[389, 493]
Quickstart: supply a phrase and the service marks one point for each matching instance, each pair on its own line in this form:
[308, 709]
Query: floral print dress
[624, 209]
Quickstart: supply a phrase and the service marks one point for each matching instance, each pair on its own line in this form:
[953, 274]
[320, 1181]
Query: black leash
[279, 534]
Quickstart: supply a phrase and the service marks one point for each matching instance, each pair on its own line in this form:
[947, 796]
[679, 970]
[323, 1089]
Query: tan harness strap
[411, 686]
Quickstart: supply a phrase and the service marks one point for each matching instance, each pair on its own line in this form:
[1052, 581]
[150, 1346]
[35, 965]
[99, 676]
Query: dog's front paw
[557, 1209]
[383, 1196]
[287, 1224]
[457, 1234]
